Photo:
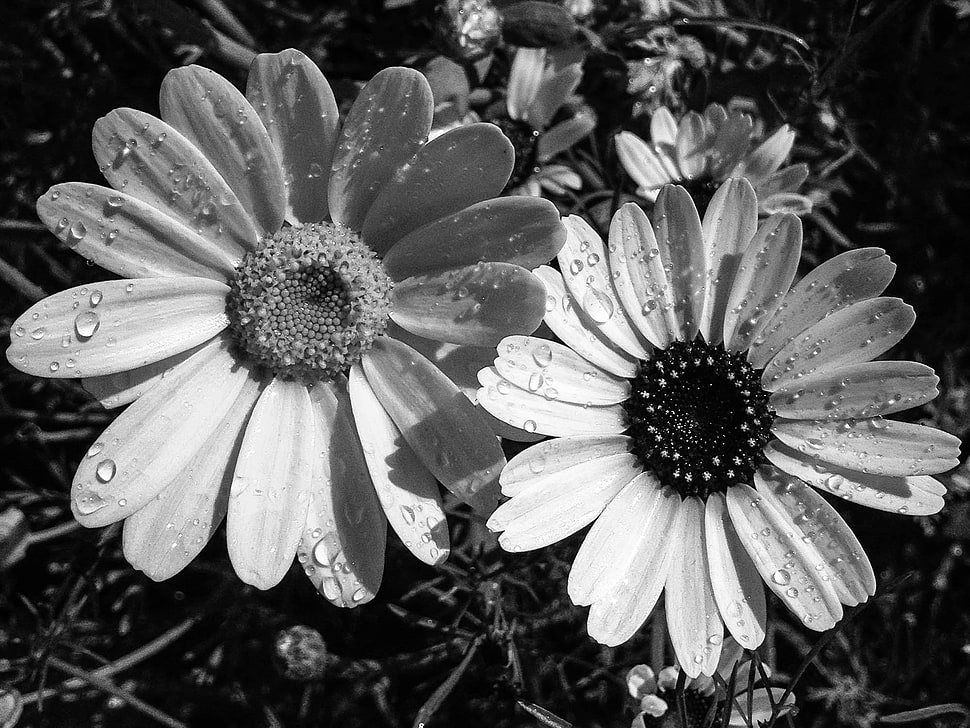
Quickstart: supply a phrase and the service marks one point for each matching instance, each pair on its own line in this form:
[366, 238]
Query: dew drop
[781, 577]
[542, 355]
[86, 324]
[105, 470]
[598, 305]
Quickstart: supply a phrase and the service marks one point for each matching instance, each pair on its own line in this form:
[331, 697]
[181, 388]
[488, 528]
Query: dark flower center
[701, 190]
[698, 417]
[525, 141]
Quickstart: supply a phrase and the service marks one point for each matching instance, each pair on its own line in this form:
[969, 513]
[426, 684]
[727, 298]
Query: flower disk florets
[698, 417]
[309, 301]
[525, 141]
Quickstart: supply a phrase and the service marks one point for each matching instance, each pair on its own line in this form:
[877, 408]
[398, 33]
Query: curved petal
[557, 372]
[762, 707]
[791, 202]
[342, 545]
[730, 144]
[558, 459]
[460, 363]
[878, 446]
[387, 124]
[642, 163]
[767, 157]
[164, 536]
[783, 181]
[298, 109]
[519, 230]
[763, 277]
[130, 237]
[730, 222]
[858, 390]
[215, 116]
[856, 275]
[477, 304]
[150, 160]
[737, 586]
[113, 326]
[554, 90]
[693, 620]
[564, 135]
[546, 415]
[437, 421]
[271, 485]
[458, 169]
[691, 146]
[793, 569]
[681, 242]
[915, 495]
[153, 441]
[524, 79]
[115, 390]
[577, 331]
[406, 489]
[663, 127]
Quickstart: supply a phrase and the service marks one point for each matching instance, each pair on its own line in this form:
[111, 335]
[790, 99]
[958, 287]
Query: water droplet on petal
[105, 470]
[781, 577]
[86, 324]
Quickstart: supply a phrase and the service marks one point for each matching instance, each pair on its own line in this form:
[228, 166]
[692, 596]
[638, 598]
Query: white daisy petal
[460, 363]
[916, 495]
[116, 390]
[406, 489]
[553, 92]
[763, 277]
[271, 485]
[767, 157]
[663, 127]
[557, 372]
[639, 276]
[298, 109]
[691, 146]
[847, 563]
[681, 242]
[215, 116]
[585, 270]
[437, 421]
[856, 275]
[374, 143]
[167, 533]
[858, 390]
[524, 79]
[737, 587]
[151, 443]
[551, 459]
[130, 237]
[573, 327]
[628, 591]
[790, 202]
[730, 144]
[730, 221]
[113, 326]
[856, 334]
[564, 135]
[152, 161]
[791, 568]
[786, 180]
[546, 511]
[538, 413]
[693, 620]
[883, 447]
[762, 707]
[641, 162]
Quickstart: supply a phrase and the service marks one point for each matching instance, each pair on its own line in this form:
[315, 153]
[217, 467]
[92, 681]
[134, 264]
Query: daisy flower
[272, 261]
[538, 88]
[702, 151]
[697, 404]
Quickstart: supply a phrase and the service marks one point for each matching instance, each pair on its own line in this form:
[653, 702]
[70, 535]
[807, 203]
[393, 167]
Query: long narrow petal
[389, 120]
[476, 304]
[130, 237]
[738, 590]
[271, 485]
[164, 536]
[663, 127]
[691, 146]
[577, 331]
[915, 495]
[564, 135]
[875, 445]
[215, 116]
[730, 222]
[767, 157]
[342, 545]
[113, 326]
[521, 230]
[730, 144]
[764, 275]
[298, 109]
[856, 334]
[858, 390]
[793, 569]
[641, 162]
[437, 421]
[847, 563]
[552, 93]
[458, 169]
[148, 159]
[152, 442]
[546, 415]
[406, 489]
[681, 242]
[524, 79]
[856, 275]
[116, 390]
[460, 363]
[550, 460]
[784, 181]
[693, 620]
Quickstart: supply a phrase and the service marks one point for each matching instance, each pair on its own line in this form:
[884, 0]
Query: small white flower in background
[697, 403]
[283, 274]
[703, 150]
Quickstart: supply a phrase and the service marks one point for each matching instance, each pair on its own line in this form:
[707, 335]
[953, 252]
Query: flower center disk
[525, 141]
[309, 301]
[698, 417]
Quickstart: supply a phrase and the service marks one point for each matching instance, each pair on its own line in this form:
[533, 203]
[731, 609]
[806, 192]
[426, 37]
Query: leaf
[434, 702]
[930, 711]
[544, 716]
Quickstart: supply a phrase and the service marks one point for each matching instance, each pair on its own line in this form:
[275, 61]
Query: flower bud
[301, 653]
[468, 30]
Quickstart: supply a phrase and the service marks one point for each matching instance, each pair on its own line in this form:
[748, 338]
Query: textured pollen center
[698, 417]
[525, 141]
[309, 301]
[701, 190]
